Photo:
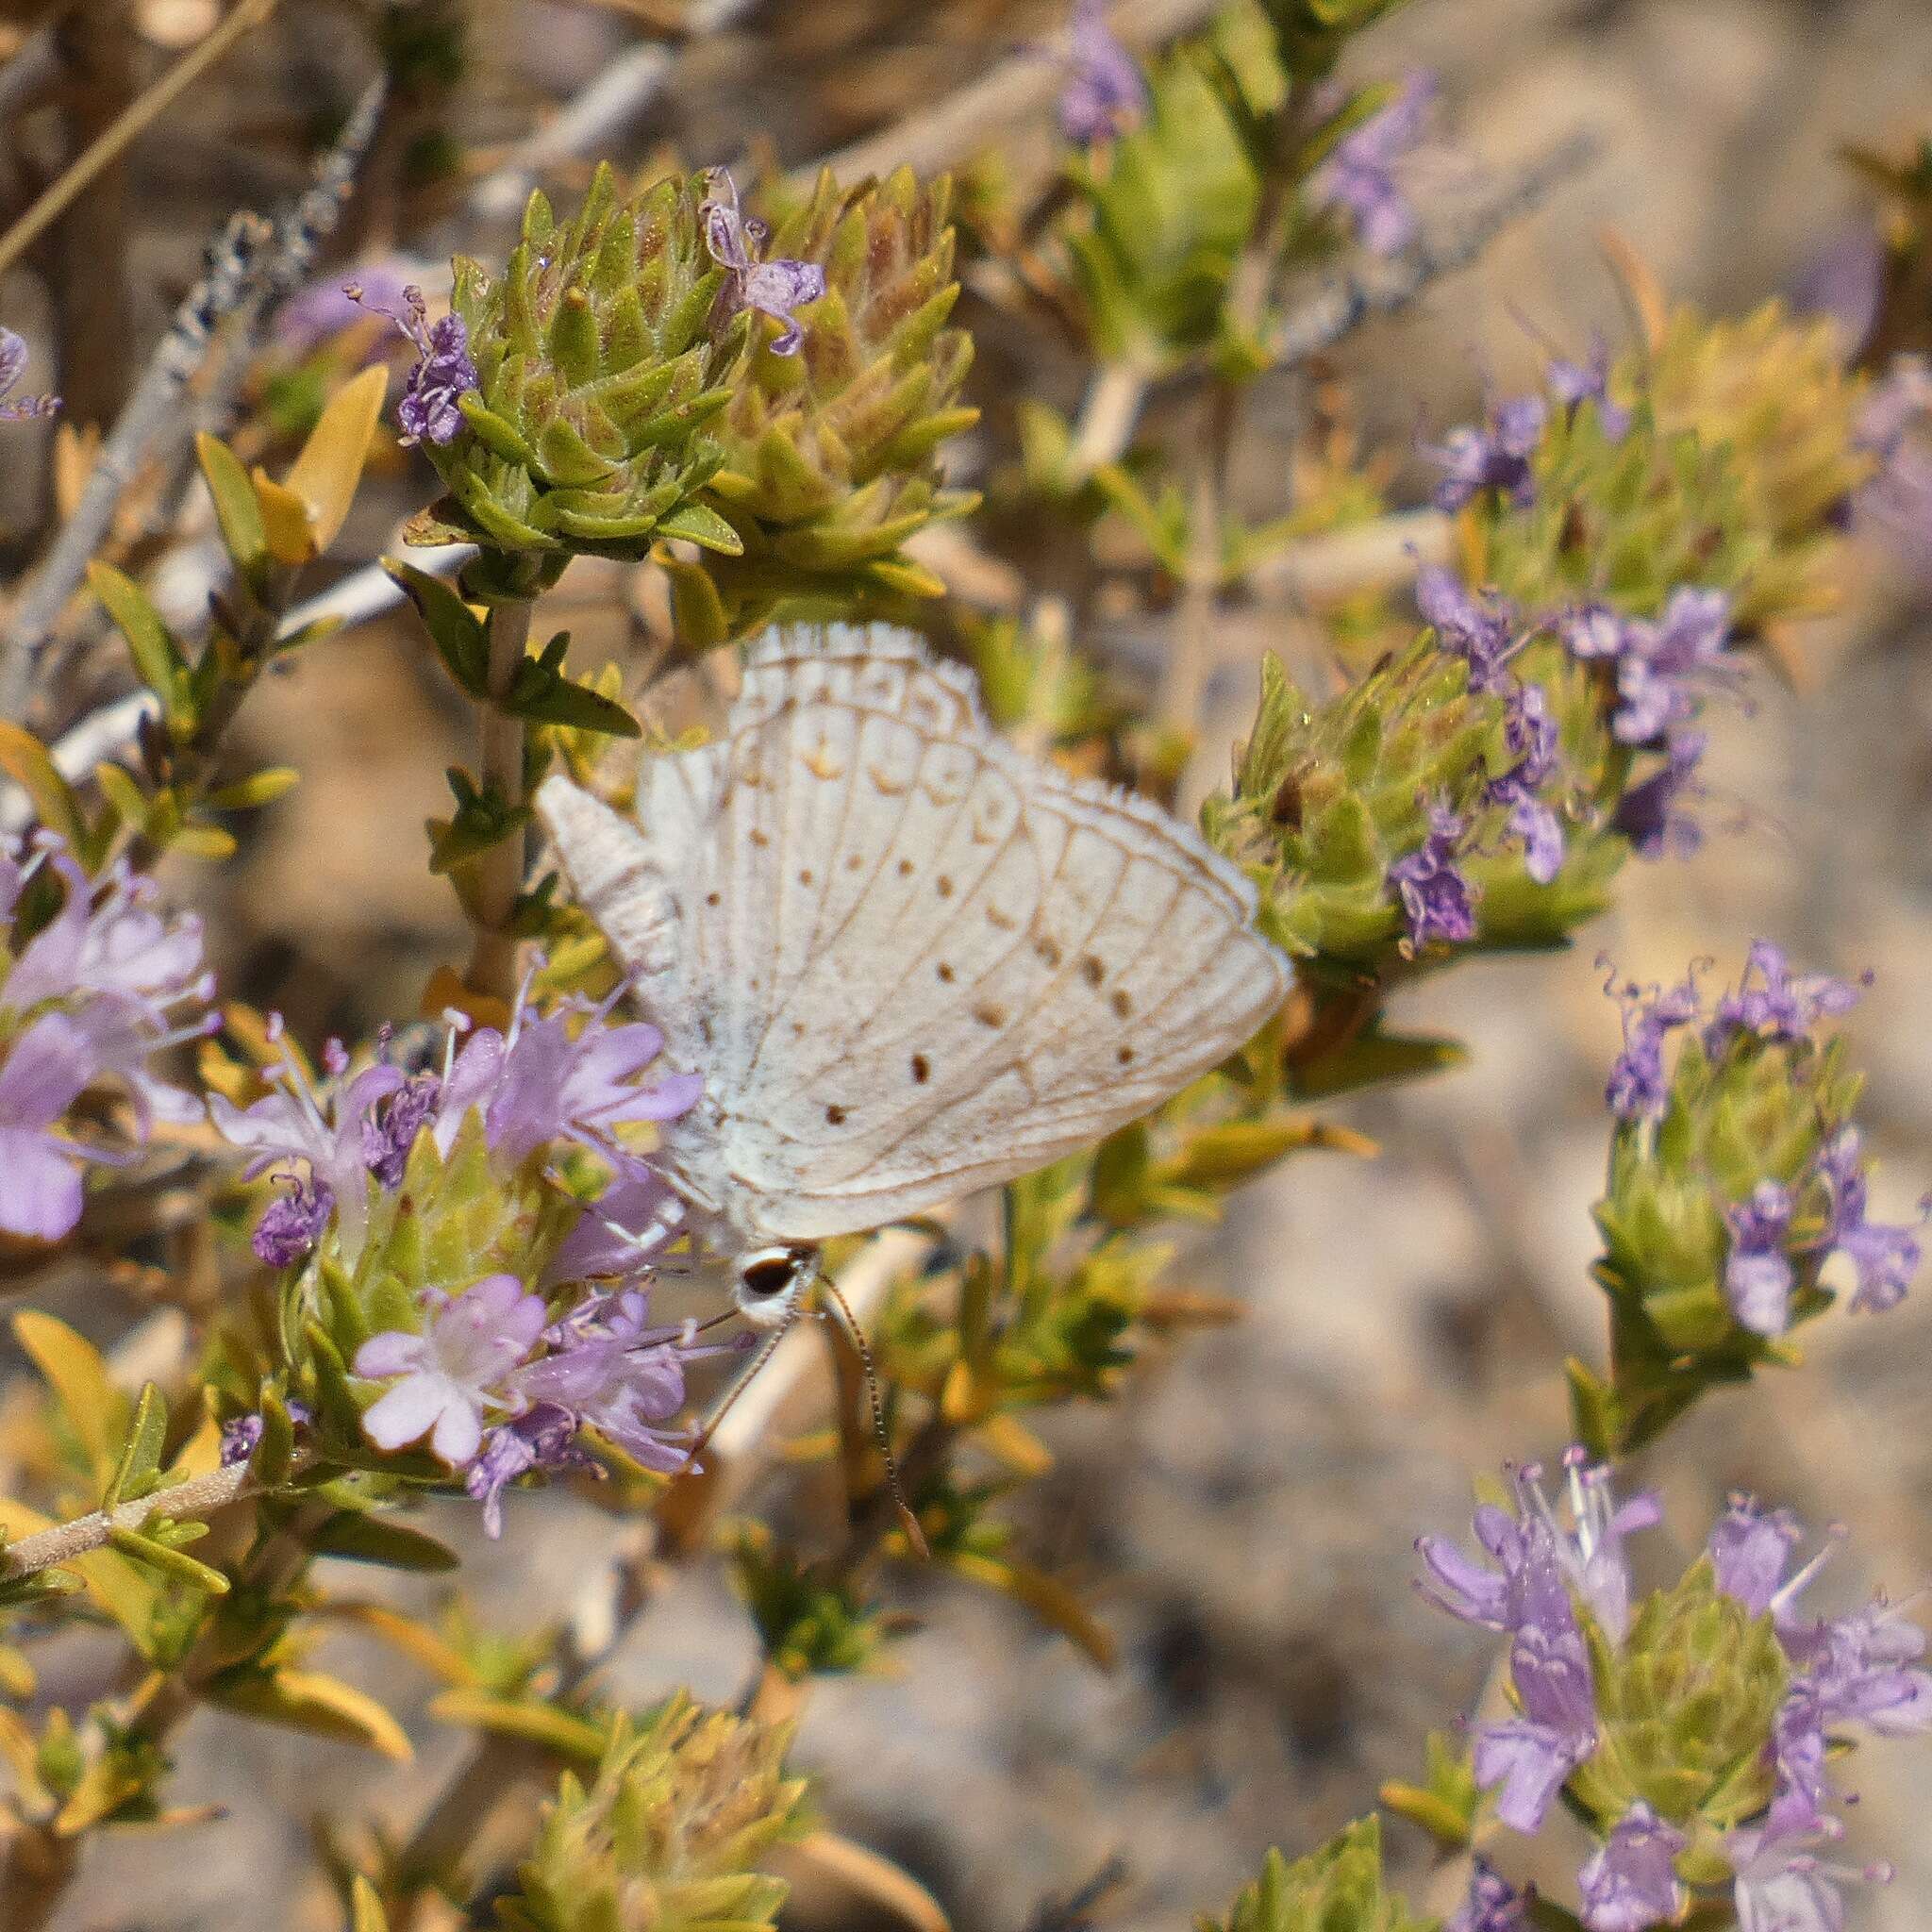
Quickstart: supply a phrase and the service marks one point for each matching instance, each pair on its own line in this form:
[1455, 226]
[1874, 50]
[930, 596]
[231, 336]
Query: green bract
[827, 458]
[1337, 1888]
[598, 366]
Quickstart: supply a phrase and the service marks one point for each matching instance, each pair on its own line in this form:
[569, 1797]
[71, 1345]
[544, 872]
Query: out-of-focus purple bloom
[1758, 1272]
[1434, 893]
[325, 308]
[323, 1128]
[1781, 1005]
[1662, 668]
[1576, 383]
[1845, 280]
[1781, 1883]
[1638, 1089]
[1493, 1904]
[389, 1129]
[1900, 398]
[773, 287]
[1884, 1257]
[39, 1172]
[1105, 93]
[543, 1437]
[1476, 630]
[290, 1227]
[15, 409]
[1531, 735]
[1863, 1668]
[453, 1370]
[1630, 1884]
[1494, 456]
[1651, 814]
[1360, 177]
[431, 409]
[537, 1084]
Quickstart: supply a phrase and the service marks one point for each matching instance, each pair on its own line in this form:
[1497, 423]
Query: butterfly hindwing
[913, 961]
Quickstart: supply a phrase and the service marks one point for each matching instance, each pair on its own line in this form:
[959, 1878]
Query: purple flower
[1530, 1757]
[1651, 814]
[1630, 1884]
[321, 1127]
[290, 1227]
[1493, 1904]
[39, 1172]
[622, 1231]
[15, 409]
[1104, 93]
[240, 1439]
[1782, 1884]
[537, 1084]
[1359, 176]
[1785, 1006]
[1884, 1257]
[1434, 896]
[1530, 733]
[772, 288]
[453, 1369]
[1758, 1272]
[431, 409]
[1662, 667]
[1638, 1089]
[543, 1437]
[1495, 457]
[1749, 1549]
[1576, 383]
[614, 1372]
[390, 1130]
[1478, 632]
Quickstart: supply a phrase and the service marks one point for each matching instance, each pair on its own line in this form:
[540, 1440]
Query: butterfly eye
[767, 1278]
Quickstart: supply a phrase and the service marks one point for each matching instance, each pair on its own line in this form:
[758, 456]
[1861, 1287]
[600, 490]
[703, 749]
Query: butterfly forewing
[912, 961]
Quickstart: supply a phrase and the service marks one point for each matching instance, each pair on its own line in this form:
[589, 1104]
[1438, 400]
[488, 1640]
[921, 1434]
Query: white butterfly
[907, 960]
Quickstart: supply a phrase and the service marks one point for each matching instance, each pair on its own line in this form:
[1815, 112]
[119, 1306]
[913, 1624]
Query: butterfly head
[770, 1280]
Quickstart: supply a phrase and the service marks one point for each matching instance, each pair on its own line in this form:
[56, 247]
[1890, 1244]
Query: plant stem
[199, 1497]
[500, 871]
[1107, 415]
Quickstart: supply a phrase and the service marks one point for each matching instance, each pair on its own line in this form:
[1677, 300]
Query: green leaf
[1372, 1058]
[361, 1537]
[27, 762]
[365, 1909]
[123, 791]
[458, 634]
[325, 475]
[541, 695]
[156, 1555]
[315, 1702]
[698, 523]
[257, 789]
[140, 1461]
[156, 655]
[507, 1717]
[238, 510]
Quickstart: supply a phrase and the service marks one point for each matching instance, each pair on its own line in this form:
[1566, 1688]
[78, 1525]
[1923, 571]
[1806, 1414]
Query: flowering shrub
[469, 1254]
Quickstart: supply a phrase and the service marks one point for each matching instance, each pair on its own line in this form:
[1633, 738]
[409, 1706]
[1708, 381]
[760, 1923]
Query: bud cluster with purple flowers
[435, 1195]
[1689, 1729]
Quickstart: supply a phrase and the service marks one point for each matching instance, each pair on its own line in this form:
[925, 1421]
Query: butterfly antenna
[908, 1521]
[730, 1401]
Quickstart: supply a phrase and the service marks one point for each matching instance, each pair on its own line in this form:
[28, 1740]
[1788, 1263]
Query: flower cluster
[1691, 1730]
[90, 996]
[1362, 175]
[1786, 1224]
[15, 409]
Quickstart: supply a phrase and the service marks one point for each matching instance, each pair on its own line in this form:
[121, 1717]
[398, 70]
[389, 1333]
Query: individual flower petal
[1494, 1905]
[1758, 1272]
[1434, 893]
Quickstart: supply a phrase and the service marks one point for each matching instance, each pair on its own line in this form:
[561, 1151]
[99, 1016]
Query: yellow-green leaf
[326, 475]
[201, 841]
[284, 518]
[123, 791]
[95, 1410]
[27, 762]
[141, 1460]
[322, 1706]
[365, 1909]
[236, 508]
[172, 1562]
[540, 1723]
[257, 789]
[1049, 1598]
[150, 643]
